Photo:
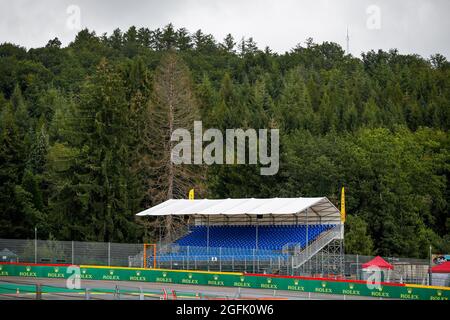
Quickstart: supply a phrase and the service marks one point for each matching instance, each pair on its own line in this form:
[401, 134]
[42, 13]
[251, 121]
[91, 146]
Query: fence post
[254, 260]
[141, 294]
[109, 254]
[73, 254]
[292, 265]
[357, 267]
[430, 272]
[220, 259]
[87, 296]
[188, 257]
[35, 248]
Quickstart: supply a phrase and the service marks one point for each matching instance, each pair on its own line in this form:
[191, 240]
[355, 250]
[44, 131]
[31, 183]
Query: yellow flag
[191, 194]
[343, 205]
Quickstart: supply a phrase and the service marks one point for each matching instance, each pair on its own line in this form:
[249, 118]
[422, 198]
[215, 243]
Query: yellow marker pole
[343, 205]
[191, 194]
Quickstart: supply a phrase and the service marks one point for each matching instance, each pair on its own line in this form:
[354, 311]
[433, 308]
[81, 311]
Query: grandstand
[288, 234]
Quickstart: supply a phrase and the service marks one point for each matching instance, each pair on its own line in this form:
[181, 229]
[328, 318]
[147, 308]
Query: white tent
[248, 211]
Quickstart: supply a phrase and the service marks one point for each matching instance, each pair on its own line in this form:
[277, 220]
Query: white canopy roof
[277, 206]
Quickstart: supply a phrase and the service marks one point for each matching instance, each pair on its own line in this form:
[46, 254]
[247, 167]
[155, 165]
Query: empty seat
[269, 237]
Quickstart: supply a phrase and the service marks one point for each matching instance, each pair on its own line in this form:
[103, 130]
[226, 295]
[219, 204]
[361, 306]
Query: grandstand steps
[317, 245]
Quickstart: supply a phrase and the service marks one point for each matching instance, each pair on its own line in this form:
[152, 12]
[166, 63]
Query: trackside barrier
[230, 279]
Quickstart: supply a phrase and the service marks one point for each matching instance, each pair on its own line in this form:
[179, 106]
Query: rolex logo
[351, 286]
[439, 293]
[28, 269]
[324, 284]
[296, 282]
[380, 288]
[1, 268]
[190, 275]
[409, 290]
[83, 271]
[138, 273]
[164, 274]
[216, 277]
[56, 269]
[111, 272]
[269, 280]
[242, 279]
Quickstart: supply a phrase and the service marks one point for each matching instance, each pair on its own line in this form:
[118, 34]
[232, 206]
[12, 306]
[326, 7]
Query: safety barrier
[230, 279]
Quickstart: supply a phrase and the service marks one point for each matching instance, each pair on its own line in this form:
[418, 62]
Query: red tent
[441, 268]
[378, 262]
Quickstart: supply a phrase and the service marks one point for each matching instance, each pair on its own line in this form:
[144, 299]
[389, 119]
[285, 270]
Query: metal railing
[314, 247]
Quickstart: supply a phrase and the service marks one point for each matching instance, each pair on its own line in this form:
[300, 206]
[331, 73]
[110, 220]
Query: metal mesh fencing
[69, 252]
[405, 270]
[322, 264]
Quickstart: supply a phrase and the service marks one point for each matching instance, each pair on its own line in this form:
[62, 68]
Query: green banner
[407, 292]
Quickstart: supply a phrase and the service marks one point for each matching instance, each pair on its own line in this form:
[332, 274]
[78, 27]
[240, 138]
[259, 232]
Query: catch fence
[405, 270]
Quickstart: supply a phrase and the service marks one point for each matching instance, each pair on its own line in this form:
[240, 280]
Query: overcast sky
[412, 26]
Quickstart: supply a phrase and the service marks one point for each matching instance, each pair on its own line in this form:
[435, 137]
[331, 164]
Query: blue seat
[238, 242]
[269, 237]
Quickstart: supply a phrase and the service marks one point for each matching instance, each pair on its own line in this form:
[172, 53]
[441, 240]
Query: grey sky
[412, 26]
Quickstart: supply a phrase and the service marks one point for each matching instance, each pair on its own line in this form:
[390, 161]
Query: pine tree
[357, 240]
[229, 43]
[11, 159]
[295, 107]
[92, 190]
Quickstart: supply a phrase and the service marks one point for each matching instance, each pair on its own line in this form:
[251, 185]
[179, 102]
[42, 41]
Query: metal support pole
[160, 234]
[87, 296]
[35, 245]
[253, 260]
[109, 253]
[292, 265]
[207, 242]
[73, 253]
[141, 294]
[341, 251]
[207, 237]
[307, 240]
[357, 267]
[256, 236]
[430, 274]
[187, 257]
[322, 264]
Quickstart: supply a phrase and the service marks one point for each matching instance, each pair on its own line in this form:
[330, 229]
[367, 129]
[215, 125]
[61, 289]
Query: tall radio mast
[348, 42]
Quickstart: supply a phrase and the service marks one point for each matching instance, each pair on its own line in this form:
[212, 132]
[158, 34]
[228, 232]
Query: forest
[85, 134]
